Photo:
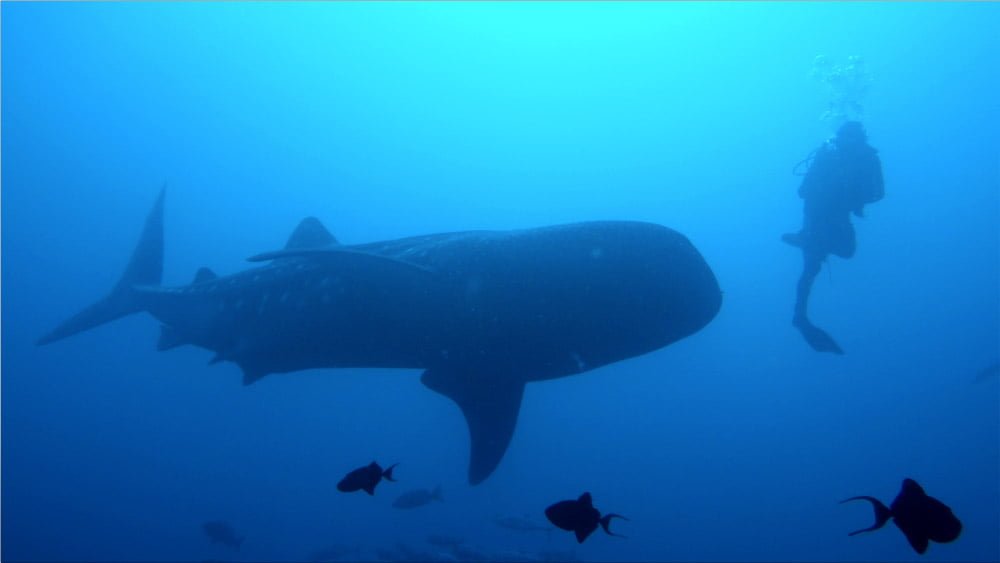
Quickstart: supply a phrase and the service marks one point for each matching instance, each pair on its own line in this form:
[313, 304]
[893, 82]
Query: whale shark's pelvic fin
[490, 406]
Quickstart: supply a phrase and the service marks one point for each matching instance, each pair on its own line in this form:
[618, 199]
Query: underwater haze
[389, 120]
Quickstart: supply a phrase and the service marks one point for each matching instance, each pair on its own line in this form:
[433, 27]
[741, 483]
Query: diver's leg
[811, 263]
[816, 337]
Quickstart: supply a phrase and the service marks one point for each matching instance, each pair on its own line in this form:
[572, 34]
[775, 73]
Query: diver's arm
[878, 182]
[813, 181]
[874, 188]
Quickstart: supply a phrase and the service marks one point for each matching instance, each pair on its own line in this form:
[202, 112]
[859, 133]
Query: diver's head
[851, 133]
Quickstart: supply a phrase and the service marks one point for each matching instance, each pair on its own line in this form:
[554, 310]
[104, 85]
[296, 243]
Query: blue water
[388, 120]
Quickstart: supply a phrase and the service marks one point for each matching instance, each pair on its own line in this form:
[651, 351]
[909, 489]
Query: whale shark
[482, 313]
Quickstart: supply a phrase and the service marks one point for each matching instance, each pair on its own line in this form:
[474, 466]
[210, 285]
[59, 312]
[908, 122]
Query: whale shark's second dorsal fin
[490, 406]
[203, 275]
[310, 234]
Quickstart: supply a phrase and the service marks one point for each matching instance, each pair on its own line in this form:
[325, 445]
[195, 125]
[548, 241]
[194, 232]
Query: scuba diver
[844, 176]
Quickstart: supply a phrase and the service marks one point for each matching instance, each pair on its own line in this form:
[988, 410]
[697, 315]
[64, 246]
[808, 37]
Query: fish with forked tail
[580, 517]
[920, 517]
[520, 524]
[365, 478]
[417, 498]
[220, 531]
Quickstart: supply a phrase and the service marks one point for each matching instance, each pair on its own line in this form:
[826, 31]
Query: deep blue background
[389, 120]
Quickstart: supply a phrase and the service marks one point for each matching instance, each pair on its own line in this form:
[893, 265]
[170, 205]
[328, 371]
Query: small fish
[440, 540]
[557, 555]
[365, 478]
[466, 553]
[519, 524]
[417, 498]
[580, 517]
[921, 518]
[988, 372]
[333, 552]
[221, 532]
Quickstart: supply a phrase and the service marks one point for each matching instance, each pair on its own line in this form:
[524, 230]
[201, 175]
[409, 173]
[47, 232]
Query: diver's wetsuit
[845, 175]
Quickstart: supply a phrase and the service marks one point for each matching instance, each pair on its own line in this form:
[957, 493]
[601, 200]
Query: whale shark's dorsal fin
[490, 406]
[310, 234]
[203, 275]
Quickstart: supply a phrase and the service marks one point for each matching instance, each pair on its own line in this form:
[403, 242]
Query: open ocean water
[390, 120]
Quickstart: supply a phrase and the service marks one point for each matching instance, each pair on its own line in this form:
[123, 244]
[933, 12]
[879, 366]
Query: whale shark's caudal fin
[144, 268]
[490, 406]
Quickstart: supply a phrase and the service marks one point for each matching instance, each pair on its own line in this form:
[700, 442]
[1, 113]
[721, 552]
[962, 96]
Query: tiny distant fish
[221, 532]
[519, 524]
[988, 372]
[444, 541]
[580, 517]
[921, 518]
[556, 555]
[466, 553]
[417, 498]
[333, 552]
[365, 478]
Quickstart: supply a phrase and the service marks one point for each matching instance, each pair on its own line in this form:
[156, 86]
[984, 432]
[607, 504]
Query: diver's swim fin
[818, 338]
[793, 239]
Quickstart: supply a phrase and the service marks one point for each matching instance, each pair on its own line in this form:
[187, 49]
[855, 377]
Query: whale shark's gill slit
[490, 405]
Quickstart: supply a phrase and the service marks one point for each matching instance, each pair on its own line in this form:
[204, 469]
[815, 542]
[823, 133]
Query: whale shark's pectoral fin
[170, 338]
[251, 374]
[490, 406]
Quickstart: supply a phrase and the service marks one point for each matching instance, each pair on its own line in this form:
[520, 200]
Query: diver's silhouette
[844, 176]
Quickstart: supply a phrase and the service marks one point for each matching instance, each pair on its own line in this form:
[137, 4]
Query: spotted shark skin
[481, 312]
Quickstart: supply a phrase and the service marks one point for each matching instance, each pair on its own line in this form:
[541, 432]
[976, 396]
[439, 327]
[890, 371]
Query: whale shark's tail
[144, 268]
